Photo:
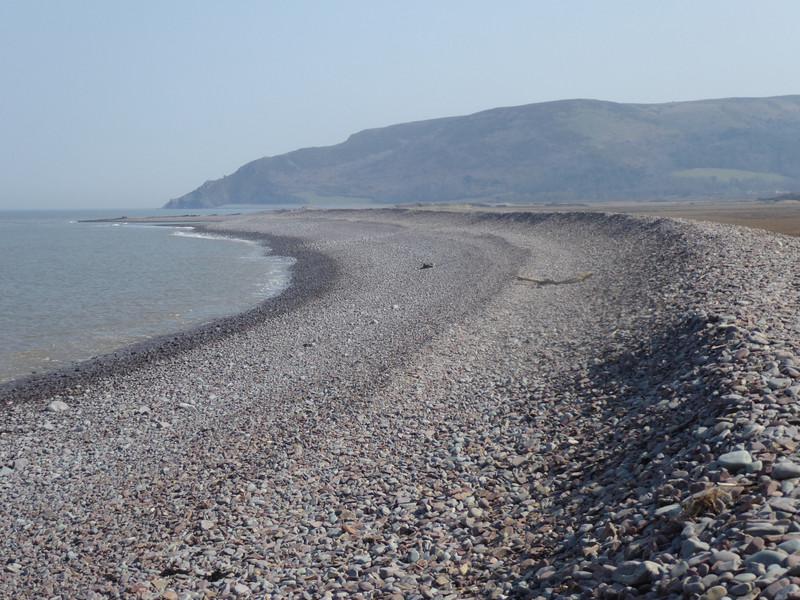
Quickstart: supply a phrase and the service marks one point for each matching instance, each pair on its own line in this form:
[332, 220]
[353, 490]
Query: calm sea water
[70, 291]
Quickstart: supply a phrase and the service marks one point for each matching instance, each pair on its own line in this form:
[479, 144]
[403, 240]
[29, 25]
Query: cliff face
[572, 150]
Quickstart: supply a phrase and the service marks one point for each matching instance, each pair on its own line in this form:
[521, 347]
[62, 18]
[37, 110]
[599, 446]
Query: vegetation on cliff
[565, 151]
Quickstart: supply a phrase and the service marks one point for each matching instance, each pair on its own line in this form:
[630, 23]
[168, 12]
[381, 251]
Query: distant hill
[565, 151]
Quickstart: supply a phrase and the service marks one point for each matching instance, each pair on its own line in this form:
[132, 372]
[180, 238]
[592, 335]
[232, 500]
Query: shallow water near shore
[71, 290]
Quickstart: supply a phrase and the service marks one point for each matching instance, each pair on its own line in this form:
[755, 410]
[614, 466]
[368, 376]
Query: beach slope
[443, 405]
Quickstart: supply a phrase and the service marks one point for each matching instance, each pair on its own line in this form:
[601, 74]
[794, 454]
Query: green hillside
[571, 150]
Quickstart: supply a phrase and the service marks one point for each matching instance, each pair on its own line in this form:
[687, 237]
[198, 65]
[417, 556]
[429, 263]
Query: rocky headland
[413, 420]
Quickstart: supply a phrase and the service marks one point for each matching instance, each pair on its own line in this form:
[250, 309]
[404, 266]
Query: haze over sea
[70, 290]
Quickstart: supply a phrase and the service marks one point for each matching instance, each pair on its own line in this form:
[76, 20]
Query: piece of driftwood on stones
[577, 279]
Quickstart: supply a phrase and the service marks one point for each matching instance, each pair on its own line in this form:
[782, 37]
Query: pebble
[735, 461]
[790, 546]
[767, 557]
[740, 589]
[379, 433]
[693, 585]
[765, 529]
[635, 573]
[692, 546]
[715, 593]
[785, 470]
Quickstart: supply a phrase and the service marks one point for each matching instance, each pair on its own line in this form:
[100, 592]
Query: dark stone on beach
[635, 573]
[693, 585]
[785, 470]
[767, 557]
[756, 544]
[765, 529]
[741, 589]
[735, 461]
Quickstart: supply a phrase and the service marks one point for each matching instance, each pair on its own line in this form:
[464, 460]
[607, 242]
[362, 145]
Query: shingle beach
[443, 405]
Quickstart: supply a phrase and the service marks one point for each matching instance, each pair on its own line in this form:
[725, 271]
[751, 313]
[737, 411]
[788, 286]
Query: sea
[72, 290]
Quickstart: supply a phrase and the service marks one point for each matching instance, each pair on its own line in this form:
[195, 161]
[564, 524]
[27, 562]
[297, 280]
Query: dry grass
[778, 217]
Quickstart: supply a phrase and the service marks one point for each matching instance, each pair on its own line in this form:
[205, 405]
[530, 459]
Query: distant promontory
[551, 152]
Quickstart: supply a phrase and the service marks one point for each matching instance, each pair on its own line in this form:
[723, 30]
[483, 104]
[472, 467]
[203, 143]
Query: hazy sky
[129, 104]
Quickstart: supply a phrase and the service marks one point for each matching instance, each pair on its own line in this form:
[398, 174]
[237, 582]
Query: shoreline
[313, 274]
[393, 431]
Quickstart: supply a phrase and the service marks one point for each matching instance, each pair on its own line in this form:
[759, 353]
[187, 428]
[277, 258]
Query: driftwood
[713, 500]
[577, 279]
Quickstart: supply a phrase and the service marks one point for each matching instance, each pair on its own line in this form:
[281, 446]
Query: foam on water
[71, 290]
[191, 232]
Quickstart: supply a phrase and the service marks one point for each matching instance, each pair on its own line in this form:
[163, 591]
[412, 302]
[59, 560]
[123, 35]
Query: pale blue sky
[129, 104]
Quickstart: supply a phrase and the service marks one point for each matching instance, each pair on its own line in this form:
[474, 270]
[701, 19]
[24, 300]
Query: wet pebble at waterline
[448, 432]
